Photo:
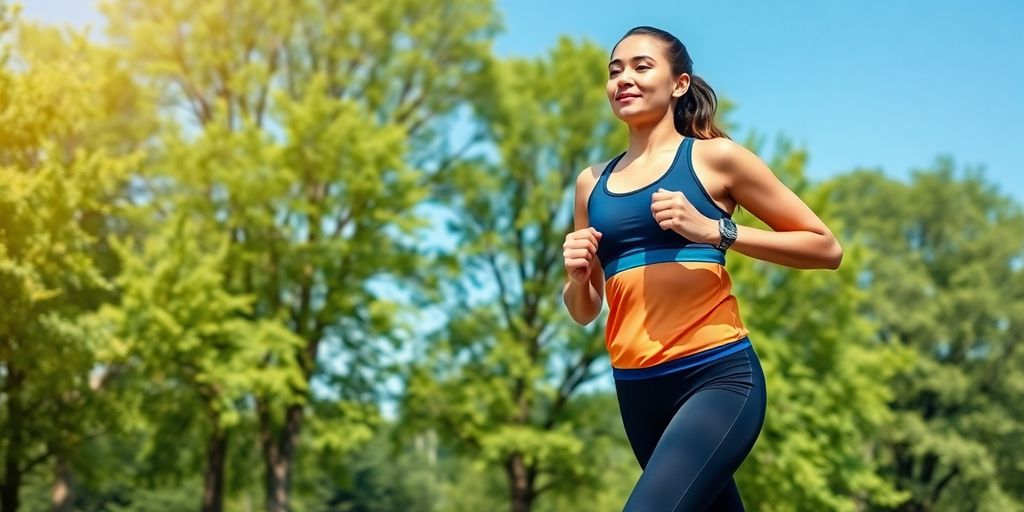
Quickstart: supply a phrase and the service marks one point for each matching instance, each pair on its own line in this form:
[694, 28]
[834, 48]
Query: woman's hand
[579, 248]
[673, 211]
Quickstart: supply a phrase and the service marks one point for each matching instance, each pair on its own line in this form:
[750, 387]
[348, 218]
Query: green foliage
[185, 333]
[211, 228]
[498, 378]
[302, 152]
[828, 376]
[947, 283]
[381, 474]
[61, 179]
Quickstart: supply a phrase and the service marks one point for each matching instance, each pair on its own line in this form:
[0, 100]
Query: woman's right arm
[584, 298]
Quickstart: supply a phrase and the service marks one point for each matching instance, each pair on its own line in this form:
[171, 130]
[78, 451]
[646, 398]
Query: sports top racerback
[669, 298]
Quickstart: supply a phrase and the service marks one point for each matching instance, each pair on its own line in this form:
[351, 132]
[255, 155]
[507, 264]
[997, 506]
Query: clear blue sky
[872, 84]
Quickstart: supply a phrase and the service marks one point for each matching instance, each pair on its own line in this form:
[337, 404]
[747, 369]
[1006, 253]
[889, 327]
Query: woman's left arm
[799, 238]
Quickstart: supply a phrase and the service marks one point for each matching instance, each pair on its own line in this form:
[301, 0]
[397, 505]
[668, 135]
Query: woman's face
[641, 87]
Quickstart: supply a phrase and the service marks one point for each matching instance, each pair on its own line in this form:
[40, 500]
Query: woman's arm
[799, 238]
[584, 302]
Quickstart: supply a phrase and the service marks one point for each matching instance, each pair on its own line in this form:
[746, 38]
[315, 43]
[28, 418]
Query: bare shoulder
[587, 178]
[729, 162]
[719, 153]
[590, 173]
[585, 182]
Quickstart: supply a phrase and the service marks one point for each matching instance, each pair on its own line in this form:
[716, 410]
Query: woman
[652, 226]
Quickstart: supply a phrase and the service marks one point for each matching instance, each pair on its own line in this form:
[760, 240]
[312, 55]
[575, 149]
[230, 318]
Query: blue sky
[868, 84]
[873, 83]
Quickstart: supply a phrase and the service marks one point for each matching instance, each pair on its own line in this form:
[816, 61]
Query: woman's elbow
[584, 318]
[835, 255]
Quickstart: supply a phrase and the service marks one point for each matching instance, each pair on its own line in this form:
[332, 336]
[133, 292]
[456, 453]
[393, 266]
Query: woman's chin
[630, 115]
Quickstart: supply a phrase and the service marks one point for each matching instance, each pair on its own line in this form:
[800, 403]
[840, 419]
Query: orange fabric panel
[664, 311]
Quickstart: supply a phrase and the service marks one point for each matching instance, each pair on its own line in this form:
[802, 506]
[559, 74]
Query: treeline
[307, 256]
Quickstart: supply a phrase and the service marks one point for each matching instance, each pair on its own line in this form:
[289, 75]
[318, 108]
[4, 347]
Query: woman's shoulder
[589, 175]
[717, 147]
[719, 152]
[586, 181]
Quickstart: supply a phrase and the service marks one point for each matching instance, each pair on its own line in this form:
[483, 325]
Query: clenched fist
[671, 210]
[579, 248]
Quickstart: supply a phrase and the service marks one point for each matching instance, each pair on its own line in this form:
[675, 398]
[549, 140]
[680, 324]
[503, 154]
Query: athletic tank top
[670, 300]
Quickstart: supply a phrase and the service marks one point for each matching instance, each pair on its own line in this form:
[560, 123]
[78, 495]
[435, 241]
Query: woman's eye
[642, 67]
[613, 72]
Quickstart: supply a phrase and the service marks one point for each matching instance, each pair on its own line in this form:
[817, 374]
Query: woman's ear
[682, 85]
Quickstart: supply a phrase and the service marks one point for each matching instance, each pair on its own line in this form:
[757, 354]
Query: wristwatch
[726, 228]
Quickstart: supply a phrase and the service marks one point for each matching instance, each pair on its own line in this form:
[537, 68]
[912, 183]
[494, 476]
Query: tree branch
[505, 308]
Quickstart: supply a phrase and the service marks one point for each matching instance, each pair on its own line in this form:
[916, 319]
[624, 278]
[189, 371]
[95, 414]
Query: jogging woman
[652, 227]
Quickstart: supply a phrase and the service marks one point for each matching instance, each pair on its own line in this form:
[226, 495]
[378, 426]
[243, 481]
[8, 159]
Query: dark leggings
[690, 430]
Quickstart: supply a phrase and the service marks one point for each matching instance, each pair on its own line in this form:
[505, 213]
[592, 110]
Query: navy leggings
[690, 430]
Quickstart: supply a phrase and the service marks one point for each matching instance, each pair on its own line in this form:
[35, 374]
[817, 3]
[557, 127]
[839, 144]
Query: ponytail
[695, 111]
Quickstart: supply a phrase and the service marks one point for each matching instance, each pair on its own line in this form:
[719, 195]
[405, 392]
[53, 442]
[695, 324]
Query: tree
[497, 381]
[63, 103]
[828, 378]
[310, 131]
[192, 349]
[946, 281]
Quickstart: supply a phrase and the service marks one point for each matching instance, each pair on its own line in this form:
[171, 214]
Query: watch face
[728, 232]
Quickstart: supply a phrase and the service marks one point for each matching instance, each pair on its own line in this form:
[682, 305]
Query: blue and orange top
[670, 300]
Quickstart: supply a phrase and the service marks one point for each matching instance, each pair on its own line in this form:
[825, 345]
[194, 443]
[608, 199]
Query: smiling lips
[623, 96]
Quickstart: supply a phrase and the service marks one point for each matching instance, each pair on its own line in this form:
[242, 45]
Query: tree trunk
[279, 455]
[213, 475]
[62, 498]
[11, 484]
[521, 479]
[279, 446]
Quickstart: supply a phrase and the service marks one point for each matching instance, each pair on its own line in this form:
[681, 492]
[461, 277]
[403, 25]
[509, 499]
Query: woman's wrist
[714, 234]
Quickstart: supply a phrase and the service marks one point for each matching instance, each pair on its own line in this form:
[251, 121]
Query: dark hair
[695, 111]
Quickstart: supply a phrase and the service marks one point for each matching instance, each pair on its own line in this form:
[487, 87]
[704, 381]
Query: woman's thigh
[690, 448]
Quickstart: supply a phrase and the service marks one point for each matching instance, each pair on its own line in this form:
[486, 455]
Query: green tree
[192, 349]
[828, 377]
[310, 129]
[387, 473]
[946, 280]
[498, 379]
[598, 423]
[71, 122]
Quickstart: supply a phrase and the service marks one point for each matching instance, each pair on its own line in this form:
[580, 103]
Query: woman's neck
[647, 139]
